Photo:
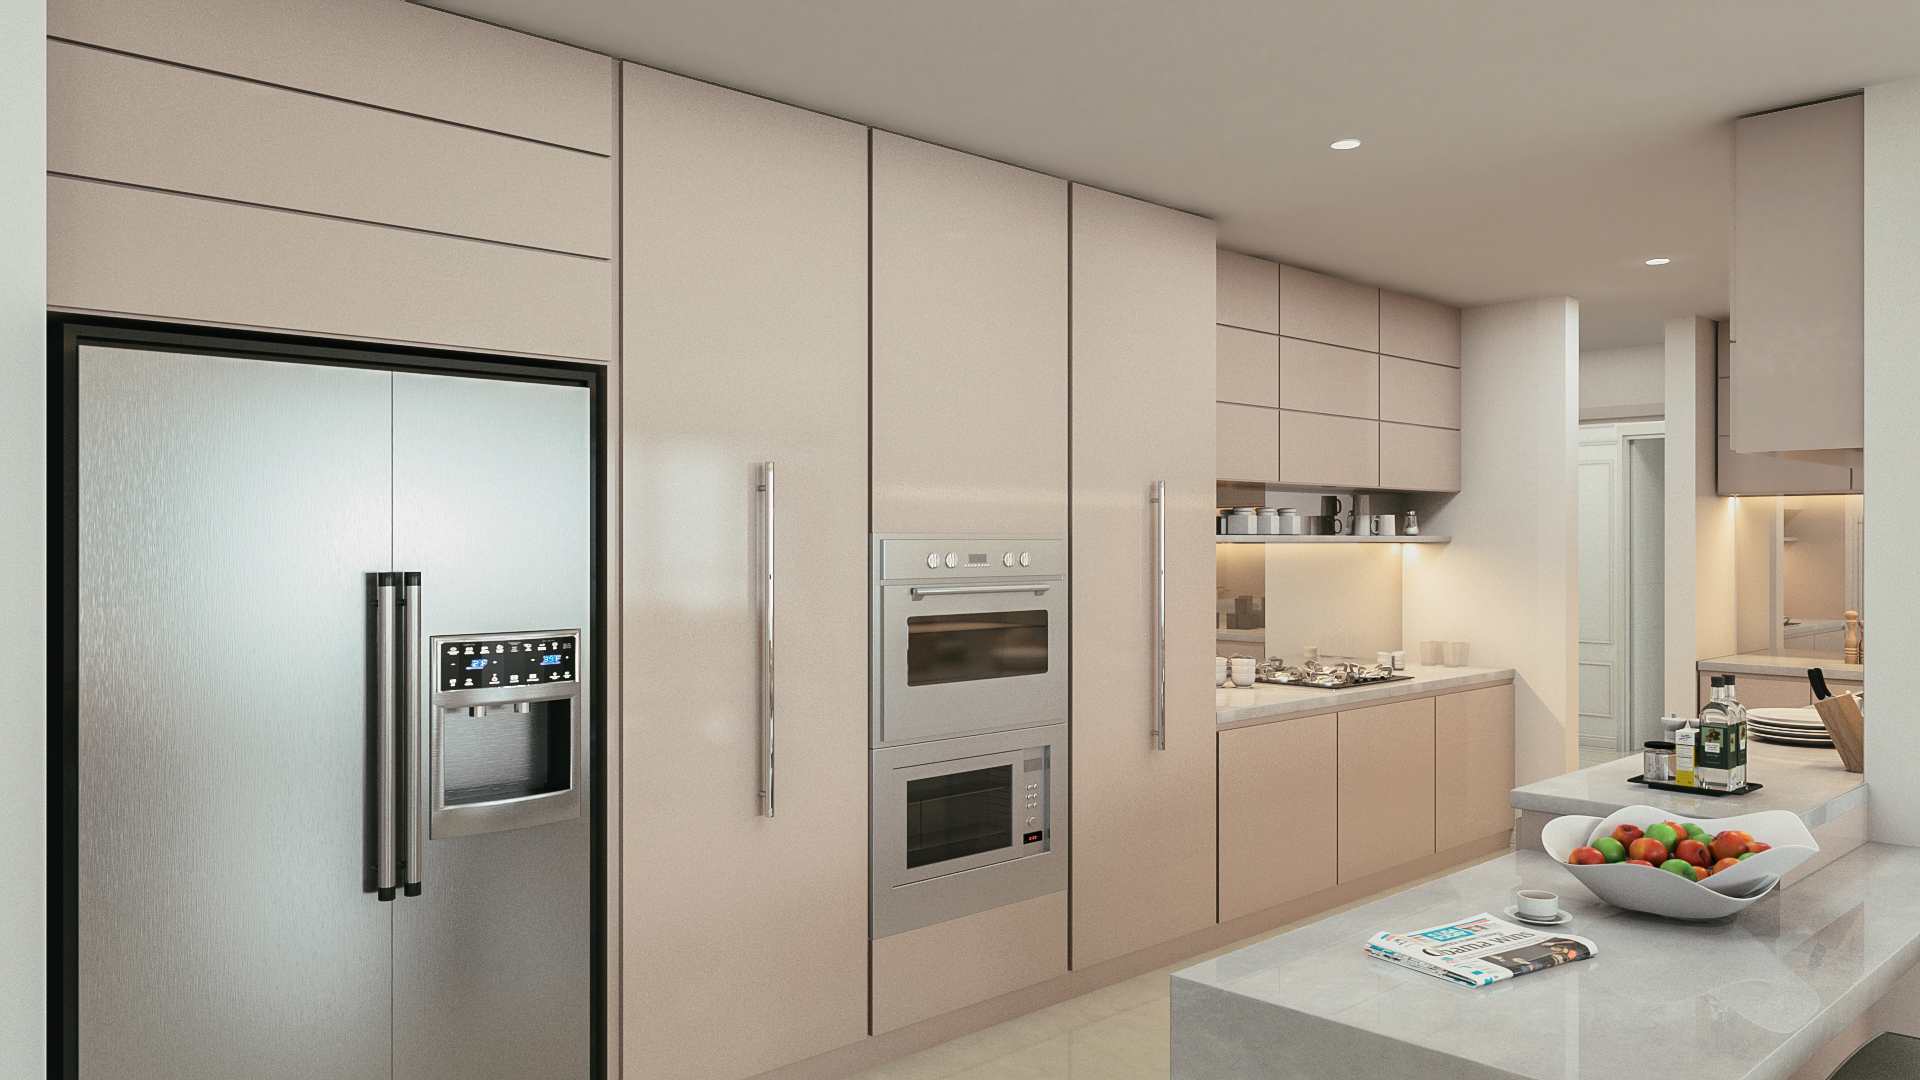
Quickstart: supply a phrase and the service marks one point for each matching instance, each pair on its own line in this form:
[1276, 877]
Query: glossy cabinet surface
[1768, 691]
[1247, 443]
[1335, 450]
[1328, 379]
[1326, 309]
[1472, 765]
[1143, 348]
[746, 303]
[1248, 370]
[1248, 292]
[969, 279]
[1386, 786]
[1279, 797]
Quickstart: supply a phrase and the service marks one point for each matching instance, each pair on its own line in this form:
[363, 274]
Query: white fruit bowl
[1653, 890]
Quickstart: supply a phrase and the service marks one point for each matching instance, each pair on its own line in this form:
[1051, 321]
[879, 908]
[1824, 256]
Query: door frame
[65, 334]
[1618, 439]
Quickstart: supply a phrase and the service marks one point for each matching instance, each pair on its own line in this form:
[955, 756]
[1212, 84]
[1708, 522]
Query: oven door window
[959, 814]
[975, 646]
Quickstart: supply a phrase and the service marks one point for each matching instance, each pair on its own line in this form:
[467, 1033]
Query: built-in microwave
[969, 635]
[966, 825]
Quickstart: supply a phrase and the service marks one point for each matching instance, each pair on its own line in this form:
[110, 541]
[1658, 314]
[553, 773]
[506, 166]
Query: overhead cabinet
[1358, 388]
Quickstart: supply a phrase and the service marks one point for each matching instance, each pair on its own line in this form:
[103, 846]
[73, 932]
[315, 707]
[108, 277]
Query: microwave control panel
[963, 557]
[498, 662]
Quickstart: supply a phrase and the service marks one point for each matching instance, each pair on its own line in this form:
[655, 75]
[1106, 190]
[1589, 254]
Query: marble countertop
[1810, 782]
[1791, 662]
[1749, 997]
[1263, 700]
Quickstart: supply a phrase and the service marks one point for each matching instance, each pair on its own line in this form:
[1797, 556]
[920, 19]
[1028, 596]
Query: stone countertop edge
[1790, 666]
[1601, 789]
[1283, 701]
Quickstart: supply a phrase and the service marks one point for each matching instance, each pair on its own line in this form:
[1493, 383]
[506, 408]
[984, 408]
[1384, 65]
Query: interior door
[229, 513]
[493, 508]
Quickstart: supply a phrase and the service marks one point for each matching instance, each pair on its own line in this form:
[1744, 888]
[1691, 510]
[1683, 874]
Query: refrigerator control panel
[499, 662]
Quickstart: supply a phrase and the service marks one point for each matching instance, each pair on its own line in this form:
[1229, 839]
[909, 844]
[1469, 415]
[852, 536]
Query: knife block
[1847, 725]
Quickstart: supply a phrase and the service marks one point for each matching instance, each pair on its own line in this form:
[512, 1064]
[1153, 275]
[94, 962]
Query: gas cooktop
[1342, 686]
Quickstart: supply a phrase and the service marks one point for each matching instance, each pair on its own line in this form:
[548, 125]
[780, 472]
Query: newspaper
[1479, 951]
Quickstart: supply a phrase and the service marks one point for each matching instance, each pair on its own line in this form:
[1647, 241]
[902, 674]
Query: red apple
[1627, 834]
[1587, 856]
[1756, 848]
[1647, 850]
[1693, 851]
[1724, 863]
[1636, 862]
[1731, 843]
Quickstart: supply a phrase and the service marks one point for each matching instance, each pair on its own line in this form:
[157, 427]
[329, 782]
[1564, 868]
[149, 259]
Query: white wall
[1508, 583]
[1627, 383]
[23, 306]
[1700, 549]
[1893, 449]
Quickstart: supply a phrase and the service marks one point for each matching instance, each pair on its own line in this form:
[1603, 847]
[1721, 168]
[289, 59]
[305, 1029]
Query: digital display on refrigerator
[477, 665]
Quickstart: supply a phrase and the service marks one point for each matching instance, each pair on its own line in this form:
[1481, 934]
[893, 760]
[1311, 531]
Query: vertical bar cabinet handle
[1160, 614]
[386, 737]
[767, 576]
[413, 736]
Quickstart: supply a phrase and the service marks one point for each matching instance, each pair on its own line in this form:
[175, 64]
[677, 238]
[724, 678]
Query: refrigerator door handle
[1160, 614]
[413, 776]
[766, 576]
[386, 735]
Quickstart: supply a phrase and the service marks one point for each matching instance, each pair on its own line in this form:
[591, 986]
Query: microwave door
[963, 663]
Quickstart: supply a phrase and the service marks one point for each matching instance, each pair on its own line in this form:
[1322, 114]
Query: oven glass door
[963, 663]
[944, 817]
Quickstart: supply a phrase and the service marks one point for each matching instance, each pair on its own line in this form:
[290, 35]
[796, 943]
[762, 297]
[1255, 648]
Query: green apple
[1695, 832]
[1666, 834]
[1614, 850]
[1681, 867]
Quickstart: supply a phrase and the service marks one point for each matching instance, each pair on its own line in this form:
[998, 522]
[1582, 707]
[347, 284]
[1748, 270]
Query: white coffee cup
[1535, 904]
[1383, 525]
[1219, 671]
[1243, 670]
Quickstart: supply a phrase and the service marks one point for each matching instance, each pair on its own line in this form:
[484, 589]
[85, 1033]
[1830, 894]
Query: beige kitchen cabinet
[1248, 292]
[1472, 765]
[1419, 329]
[1765, 474]
[1143, 345]
[1766, 691]
[1386, 786]
[1327, 379]
[1326, 309]
[745, 936]
[1419, 458]
[1339, 451]
[969, 340]
[1412, 392]
[1247, 368]
[1247, 443]
[1279, 794]
[1798, 279]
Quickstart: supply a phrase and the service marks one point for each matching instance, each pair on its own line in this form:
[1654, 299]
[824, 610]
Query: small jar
[1657, 762]
[1242, 521]
[1269, 520]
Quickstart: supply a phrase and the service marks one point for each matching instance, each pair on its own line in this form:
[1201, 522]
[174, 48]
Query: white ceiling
[1512, 148]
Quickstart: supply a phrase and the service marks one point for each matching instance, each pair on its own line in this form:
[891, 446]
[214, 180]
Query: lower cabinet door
[1472, 765]
[1279, 790]
[1386, 787]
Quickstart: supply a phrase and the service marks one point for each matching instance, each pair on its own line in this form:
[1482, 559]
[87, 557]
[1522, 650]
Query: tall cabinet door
[745, 298]
[1143, 359]
[230, 512]
[493, 506]
[969, 343]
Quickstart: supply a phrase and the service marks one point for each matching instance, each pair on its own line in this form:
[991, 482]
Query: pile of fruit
[1687, 850]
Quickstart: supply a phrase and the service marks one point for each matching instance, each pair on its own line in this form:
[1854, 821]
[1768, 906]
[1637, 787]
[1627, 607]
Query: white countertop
[1749, 997]
[1789, 662]
[1810, 782]
[1264, 700]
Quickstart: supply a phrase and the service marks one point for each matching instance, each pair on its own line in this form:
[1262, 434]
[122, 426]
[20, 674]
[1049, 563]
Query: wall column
[1892, 588]
[1700, 526]
[23, 529]
[1509, 582]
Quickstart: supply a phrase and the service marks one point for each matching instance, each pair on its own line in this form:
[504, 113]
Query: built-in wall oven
[969, 635]
[969, 736]
[966, 825]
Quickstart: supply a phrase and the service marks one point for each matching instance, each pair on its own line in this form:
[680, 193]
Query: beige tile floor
[1118, 1033]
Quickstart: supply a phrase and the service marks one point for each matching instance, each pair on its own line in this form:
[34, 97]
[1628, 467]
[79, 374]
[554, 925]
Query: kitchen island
[1795, 981]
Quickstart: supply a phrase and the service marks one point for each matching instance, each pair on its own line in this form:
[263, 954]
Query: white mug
[1383, 525]
[1536, 904]
[1219, 671]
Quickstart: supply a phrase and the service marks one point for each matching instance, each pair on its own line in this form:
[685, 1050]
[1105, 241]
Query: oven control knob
[1026, 558]
[953, 560]
[1007, 559]
[933, 560]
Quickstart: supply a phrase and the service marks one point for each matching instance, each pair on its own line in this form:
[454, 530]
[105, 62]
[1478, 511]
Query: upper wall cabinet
[969, 343]
[1321, 308]
[1419, 329]
[1248, 292]
[1798, 282]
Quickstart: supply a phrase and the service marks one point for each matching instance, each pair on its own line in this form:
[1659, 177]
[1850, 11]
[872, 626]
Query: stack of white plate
[1791, 727]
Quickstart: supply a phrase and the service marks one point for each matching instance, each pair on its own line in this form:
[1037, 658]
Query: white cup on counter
[1456, 654]
[1537, 904]
[1432, 653]
[1243, 668]
[1219, 671]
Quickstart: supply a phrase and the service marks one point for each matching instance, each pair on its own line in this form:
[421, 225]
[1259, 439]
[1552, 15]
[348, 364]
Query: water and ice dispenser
[506, 736]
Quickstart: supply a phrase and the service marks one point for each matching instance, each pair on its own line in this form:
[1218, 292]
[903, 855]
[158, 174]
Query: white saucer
[1564, 917]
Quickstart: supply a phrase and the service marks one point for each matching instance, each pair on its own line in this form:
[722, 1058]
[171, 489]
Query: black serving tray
[1710, 792]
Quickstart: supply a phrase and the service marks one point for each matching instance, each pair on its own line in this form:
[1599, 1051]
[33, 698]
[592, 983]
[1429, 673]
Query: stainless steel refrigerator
[329, 717]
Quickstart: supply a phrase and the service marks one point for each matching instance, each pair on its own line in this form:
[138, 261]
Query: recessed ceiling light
[1658, 262]
[1346, 144]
